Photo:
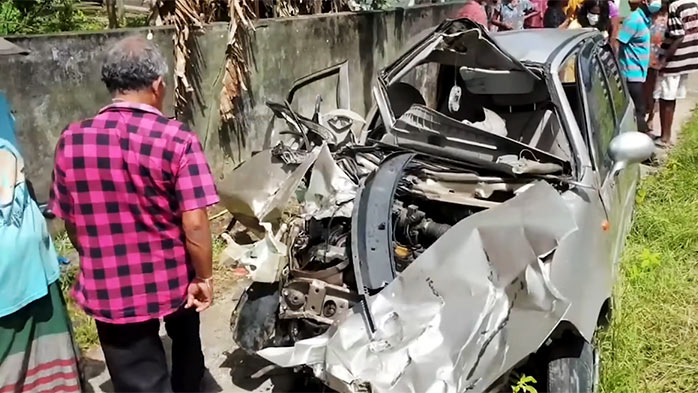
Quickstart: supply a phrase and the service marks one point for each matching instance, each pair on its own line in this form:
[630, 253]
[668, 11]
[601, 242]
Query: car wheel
[573, 367]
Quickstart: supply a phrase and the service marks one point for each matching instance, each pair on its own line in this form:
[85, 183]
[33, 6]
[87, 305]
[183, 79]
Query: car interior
[521, 102]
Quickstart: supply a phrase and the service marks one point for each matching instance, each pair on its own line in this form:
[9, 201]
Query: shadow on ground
[249, 372]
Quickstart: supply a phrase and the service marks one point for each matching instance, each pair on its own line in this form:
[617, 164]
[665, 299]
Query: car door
[624, 182]
[601, 126]
[321, 102]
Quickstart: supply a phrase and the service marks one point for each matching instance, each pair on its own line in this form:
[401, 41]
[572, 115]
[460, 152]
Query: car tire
[254, 319]
[573, 367]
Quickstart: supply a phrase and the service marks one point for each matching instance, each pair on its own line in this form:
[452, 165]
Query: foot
[662, 144]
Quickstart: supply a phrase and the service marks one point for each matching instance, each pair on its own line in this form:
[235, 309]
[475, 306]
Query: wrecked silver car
[469, 227]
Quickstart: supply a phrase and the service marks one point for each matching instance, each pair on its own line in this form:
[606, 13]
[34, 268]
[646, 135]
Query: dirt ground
[229, 368]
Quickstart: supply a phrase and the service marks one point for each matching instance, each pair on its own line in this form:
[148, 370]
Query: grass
[652, 342]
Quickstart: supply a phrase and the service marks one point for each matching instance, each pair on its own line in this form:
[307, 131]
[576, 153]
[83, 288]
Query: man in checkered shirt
[133, 187]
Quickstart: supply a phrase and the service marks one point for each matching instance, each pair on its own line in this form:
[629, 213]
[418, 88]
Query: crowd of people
[505, 15]
[655, 60]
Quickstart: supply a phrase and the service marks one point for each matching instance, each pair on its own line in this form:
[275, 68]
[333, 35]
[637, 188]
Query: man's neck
[136, 97]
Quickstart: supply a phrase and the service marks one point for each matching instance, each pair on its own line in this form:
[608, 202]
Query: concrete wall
[59, 81]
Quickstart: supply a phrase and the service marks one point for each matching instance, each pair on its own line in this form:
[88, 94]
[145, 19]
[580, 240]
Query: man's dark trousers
[637, 93]
[136, 358]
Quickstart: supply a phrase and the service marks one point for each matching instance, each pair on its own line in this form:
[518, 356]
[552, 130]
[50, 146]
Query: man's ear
[158, 84]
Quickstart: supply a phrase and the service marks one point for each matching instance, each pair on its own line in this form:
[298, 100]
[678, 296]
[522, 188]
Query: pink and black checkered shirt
[123, 178]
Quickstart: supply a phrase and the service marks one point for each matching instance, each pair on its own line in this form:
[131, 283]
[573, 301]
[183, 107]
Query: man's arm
[501, 25]
[675, 32]
[195, 190]
[670, 51]
[198, 241]
[531, 14]
[199, 247]
[626, 33]
[530, 9]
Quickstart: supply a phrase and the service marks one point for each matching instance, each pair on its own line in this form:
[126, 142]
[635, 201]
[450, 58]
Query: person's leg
[649, 95]
[637, 93]
[666, 118]
[135, 356]
[187, 356]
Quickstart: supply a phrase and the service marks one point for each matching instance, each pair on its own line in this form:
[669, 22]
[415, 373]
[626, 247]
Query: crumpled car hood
[467, 310]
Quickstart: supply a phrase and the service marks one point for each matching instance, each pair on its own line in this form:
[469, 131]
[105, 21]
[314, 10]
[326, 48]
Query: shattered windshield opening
[451, 88]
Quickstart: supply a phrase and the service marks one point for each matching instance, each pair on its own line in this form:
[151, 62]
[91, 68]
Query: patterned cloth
[657, 31]
[513, 12]
[682, 22]
[634, 37]
[37, 351]
[123, 178]
[28, 261]
[473, 11]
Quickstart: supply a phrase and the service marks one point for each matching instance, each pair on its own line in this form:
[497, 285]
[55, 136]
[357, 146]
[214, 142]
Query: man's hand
[661, 62]
[200, 294]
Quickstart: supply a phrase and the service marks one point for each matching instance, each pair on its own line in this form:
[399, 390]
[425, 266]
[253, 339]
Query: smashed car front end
[419, 259]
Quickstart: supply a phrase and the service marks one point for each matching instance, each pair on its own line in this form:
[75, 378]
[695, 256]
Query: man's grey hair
[132, 64]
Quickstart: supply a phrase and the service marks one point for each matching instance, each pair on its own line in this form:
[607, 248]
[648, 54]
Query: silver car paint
[586, 264]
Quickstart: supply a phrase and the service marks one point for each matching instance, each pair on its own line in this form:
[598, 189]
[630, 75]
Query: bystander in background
[513, 14]
[475, 11]
[595, 14]
[678, 59]
[555, 16]
[657, 31]
[633, 47]
[37, 352]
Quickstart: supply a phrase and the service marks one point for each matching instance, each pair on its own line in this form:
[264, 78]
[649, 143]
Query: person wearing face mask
[633, 48]
[595, 14]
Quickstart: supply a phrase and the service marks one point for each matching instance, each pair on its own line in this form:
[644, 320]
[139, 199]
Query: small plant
[640, 196]
[646, 262]
[523, 383]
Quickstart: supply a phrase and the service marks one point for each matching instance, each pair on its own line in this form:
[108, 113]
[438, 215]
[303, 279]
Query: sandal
[663, 145]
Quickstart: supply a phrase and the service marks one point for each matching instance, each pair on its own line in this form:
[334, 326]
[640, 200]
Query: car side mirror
[629, 148]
